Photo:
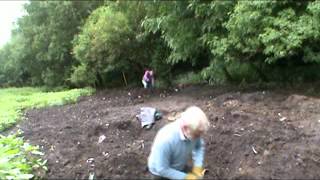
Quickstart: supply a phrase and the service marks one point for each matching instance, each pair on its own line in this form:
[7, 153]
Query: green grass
[19, 159]
[14, 100]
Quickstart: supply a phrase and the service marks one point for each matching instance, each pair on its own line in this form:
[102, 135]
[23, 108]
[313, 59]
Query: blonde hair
[194, 118]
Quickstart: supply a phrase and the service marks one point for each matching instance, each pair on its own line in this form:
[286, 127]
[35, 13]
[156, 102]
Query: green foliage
[14, 100]
[81, 76]
[189, 78]
[19, 159]
[214, 73]
[161, 67]
[112, 42]
[40, 50]
[80, 43]
[12, 72]
[179, 29]
[258, 32]
[99, 44]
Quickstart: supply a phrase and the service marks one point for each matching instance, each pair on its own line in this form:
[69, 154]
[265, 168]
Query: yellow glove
[198, 171]
[191, 176]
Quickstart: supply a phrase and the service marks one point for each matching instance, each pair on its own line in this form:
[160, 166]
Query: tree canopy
[81, 43]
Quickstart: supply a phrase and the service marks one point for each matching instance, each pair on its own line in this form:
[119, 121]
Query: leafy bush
[98, 46]
[19, 159]
[189, 78]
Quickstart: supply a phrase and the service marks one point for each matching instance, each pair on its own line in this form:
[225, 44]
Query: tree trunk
[227, 74]
[99, 82]
[259, 71]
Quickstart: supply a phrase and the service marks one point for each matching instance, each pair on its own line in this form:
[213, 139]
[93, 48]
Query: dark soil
[253, 135]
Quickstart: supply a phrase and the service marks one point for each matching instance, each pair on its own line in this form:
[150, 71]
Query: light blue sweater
[171, 151]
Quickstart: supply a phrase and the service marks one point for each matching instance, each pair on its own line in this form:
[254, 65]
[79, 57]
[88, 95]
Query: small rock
[66, 162]
[90, 160]
[299, 160]
[105, 153]
[101, 138]
[266, 152]
[282, 119]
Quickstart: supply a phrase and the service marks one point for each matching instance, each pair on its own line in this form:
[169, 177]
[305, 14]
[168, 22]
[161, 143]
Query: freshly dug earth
[253, 135]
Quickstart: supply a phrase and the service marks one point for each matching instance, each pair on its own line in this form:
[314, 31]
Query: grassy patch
[14, 100]
[19, 159]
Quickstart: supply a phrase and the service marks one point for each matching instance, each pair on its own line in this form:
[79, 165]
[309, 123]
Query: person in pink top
[148, 79]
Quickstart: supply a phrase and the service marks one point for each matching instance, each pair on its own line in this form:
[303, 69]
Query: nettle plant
[19, 159]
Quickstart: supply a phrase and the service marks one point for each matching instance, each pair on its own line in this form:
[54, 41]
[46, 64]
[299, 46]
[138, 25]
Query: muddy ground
[254, 134]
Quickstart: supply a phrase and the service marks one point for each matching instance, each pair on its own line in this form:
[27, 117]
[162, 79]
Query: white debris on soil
[105, 153]
[254, 150]
[282, 119]
[101, 138]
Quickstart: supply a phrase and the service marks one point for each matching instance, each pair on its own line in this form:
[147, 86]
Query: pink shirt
[147, 76]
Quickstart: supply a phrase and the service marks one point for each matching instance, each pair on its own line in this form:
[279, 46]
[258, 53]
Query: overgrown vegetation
[14, 100]
[18, 159]
[80, 43]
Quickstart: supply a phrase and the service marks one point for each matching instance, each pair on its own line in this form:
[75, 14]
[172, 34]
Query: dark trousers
[149, 84]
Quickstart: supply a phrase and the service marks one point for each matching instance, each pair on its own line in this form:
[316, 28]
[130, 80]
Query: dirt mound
[253, 135]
